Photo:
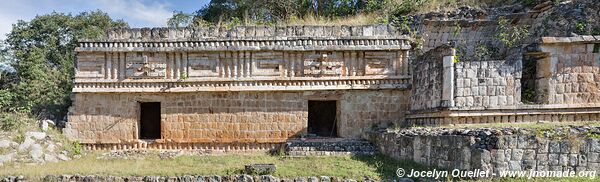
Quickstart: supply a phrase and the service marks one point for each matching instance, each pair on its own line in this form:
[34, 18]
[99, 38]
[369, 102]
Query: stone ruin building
[254, 87]
[247, 87]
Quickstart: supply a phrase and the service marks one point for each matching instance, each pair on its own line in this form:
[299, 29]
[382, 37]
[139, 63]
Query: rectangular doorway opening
[529, 78]
[149, 120]
[322, 120]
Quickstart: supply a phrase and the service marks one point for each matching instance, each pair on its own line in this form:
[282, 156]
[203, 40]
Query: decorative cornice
[243, 85]
[249, 45]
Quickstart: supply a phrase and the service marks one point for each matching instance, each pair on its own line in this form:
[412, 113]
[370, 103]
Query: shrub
[75, 148]
[510, 35]
[14, 120]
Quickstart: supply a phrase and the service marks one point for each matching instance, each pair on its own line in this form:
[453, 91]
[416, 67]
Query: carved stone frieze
[148, 67]
[323, 66]
[131, 57]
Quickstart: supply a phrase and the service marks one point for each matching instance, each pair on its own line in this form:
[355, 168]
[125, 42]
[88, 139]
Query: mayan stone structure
[466, 75]
[253, 87]
[560, 84]
[249, 87]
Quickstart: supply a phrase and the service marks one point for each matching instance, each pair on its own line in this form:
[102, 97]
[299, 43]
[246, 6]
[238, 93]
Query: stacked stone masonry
[225, 117]
[252, 84]
[487, 84]
[491, 152]
[569, 74]
[427, 83]
[325, 147]
[245, 86]
[469, 35]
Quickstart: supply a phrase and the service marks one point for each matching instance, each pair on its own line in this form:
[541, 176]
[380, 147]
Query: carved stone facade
[242, 85]
[253, 87]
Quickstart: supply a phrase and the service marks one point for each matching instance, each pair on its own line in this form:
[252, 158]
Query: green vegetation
[581, 27]
[41, 53]
[510, 35]
[528, 96]
[13, 121]
[227, 13]
[457, 29]
[550, 130]
[357, 167]
[596, 31]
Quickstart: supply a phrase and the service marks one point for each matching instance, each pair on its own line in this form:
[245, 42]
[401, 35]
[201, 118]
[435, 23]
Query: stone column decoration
[259, 69]
[448, 80]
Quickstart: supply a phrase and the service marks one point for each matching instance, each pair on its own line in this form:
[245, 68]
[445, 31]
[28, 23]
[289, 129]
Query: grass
[354, 167]
[378, 167]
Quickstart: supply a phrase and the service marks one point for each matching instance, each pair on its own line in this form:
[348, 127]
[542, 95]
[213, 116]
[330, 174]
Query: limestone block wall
[427, 79]
[570, 74]
[225, 117]
[190, 117]
[360, 110]
[490, 150]
[487, 84]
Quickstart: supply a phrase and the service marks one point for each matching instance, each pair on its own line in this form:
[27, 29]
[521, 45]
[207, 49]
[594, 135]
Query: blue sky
[138, 13]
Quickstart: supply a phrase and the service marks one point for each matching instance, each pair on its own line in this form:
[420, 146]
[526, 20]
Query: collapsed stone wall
[474, 27]
[564, 19]
[262, 117]
[494, 150]
[469, 36]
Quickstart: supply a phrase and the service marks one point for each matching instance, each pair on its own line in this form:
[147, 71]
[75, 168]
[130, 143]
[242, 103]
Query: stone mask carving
[322, 66]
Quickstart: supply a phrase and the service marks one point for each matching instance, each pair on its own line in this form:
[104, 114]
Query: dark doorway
[529, 79]
[322, 118]
[150, 120]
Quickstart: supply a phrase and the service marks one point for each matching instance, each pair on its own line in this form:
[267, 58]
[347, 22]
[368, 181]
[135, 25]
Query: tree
[180, 19]
[43, 55]
[268, 11]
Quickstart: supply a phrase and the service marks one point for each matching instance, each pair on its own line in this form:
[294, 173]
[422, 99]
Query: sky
[138, 13]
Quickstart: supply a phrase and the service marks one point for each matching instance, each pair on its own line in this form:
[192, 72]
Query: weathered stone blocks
[262, 117]
[538, 153]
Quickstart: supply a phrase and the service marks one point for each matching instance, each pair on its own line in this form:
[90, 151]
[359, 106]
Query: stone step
[329, 146]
